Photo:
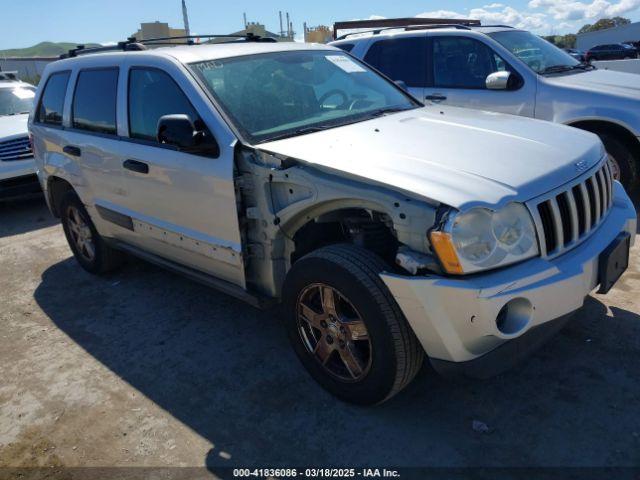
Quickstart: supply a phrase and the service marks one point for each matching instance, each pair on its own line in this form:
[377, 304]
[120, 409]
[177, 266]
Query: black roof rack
[133, 44]
[386, 23]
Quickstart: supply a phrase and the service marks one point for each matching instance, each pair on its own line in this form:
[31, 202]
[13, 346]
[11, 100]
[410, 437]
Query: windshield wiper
[567, 68]
[298, 132]
[387, 110]
[556, 69]
[584, 66]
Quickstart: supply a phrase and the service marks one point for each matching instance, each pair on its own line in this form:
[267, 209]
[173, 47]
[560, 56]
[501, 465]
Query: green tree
[605, 23]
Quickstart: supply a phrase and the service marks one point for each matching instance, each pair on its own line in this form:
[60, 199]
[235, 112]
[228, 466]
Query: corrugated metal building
[625, 33]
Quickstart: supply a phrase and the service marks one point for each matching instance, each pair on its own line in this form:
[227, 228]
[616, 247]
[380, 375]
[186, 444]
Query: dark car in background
[577, 54]
[615, 51]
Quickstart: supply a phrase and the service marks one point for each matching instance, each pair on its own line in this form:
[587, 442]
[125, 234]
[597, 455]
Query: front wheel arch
[621, 138]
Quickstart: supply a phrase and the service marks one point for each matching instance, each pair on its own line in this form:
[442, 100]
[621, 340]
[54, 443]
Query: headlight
[481, 239]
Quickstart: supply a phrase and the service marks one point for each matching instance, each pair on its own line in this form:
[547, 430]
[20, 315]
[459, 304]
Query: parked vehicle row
[17, 167]
[615, 51]
[296, 174]
[577, 54]
[511, 71]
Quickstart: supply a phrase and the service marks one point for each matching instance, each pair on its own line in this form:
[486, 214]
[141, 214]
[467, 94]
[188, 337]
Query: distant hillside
[43, 49]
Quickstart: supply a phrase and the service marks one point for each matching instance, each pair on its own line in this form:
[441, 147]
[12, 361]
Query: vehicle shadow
[227, 371]
[24, 215]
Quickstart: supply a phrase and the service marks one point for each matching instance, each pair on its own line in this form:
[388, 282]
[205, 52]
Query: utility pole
[288, 26]
[185, 18]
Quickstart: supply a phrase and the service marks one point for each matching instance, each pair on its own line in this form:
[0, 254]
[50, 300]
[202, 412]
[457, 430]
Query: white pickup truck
[293, 173]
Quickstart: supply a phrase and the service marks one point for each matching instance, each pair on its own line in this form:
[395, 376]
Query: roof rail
[133, 44]
[130, 44]
[386, 23]
[497, 26]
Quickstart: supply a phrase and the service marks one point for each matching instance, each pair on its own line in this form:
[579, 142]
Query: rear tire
[88, 247]
[388, 354]
[624, 160]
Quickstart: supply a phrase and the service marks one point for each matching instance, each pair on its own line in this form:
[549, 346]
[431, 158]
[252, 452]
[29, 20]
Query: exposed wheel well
[56, 189]
[368, 229]
[618, 131]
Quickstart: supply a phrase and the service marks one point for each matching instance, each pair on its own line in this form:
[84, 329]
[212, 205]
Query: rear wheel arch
[57, 188]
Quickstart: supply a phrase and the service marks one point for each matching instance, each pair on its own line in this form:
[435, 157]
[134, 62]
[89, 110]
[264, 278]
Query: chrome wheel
[80, 234]
[333, 332]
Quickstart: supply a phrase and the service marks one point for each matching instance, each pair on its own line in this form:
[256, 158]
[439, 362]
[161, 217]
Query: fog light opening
[514, 316]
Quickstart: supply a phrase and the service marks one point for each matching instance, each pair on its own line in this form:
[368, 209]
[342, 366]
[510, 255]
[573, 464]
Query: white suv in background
[17, 167]
[503, 69]
[293, 173]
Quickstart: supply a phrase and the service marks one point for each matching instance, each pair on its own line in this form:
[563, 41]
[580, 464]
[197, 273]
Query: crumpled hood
[601, 82]
[13, 126]
[456, 156]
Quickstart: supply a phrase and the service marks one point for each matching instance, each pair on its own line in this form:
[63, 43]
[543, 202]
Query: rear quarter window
[94, 101]
[52, 101]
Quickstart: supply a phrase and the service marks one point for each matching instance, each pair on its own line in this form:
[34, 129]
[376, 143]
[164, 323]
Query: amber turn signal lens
[443, 246]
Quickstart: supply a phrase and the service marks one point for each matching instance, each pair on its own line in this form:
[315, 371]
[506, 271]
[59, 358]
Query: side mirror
[181, 132]
[500, 81]
[402, 85]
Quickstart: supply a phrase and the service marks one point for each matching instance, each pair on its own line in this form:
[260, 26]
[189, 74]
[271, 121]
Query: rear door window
[52, 101]
[153, 94]
[94, 101]
[401, 59]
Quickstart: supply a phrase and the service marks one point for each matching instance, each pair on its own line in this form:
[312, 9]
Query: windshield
[282, 94]
[536, 52]
[16, 100]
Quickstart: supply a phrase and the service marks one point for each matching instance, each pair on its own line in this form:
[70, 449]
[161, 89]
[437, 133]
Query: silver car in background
[506, 70]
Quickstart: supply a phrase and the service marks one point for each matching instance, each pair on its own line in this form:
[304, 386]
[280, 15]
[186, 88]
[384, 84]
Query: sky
[27, 22]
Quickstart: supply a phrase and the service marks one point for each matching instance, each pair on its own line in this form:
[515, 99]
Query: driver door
[460, 66]
[182, 205]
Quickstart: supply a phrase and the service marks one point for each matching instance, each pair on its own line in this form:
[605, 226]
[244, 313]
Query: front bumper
[455, 318]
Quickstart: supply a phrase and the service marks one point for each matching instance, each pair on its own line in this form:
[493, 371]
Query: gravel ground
[145, 368]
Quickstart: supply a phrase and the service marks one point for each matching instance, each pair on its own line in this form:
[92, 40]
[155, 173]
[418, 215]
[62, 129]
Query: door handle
[72, 150]
[435, 98]
[136, 166]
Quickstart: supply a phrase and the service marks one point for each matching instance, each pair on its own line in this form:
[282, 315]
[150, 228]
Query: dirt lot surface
[145, 368]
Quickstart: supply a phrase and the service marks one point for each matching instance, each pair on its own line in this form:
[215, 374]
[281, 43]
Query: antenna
[185, 18]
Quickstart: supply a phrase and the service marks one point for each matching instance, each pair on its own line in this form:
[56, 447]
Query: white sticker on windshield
[345, 63]
[23, 93]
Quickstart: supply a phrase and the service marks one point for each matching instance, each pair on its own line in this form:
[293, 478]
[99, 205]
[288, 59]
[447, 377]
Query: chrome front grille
[16, 149]
[566, 217]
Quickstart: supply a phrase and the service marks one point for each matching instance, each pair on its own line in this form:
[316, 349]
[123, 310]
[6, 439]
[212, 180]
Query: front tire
[346, 328]
[624, 164]
[88, 247]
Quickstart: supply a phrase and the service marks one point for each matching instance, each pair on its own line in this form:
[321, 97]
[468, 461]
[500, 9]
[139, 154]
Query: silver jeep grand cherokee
[283, 172]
